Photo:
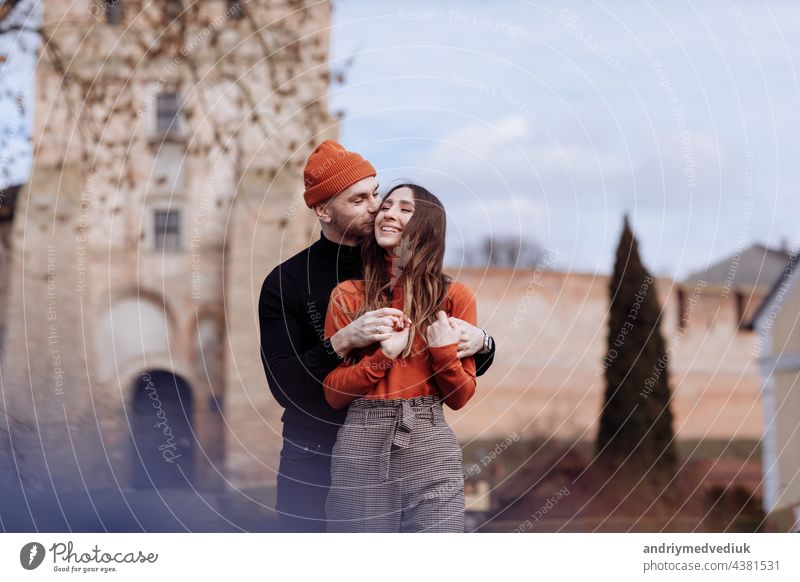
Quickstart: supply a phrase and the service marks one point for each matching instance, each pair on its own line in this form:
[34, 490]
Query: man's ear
[322, 212]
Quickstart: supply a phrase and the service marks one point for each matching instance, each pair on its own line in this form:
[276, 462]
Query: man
[342, 190]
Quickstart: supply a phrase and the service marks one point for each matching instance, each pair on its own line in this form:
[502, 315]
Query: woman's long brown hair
[418, 260]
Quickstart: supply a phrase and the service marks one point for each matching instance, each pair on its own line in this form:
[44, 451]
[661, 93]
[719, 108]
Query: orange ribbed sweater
[427, 371]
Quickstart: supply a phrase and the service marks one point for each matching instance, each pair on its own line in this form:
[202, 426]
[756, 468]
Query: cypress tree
[636, 419]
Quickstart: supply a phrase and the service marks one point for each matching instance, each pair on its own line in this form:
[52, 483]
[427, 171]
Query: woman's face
[393, 216]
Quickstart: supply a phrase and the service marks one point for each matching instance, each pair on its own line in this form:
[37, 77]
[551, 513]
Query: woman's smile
[393, 216]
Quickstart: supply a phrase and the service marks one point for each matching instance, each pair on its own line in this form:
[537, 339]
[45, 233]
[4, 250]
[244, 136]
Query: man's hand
[442, 332]
[372, 326]
[470, 338]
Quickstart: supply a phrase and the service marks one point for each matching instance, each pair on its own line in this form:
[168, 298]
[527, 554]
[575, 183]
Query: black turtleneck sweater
[296, 357]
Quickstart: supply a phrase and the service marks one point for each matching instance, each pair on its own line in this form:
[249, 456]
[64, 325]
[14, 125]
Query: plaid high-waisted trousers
[396, 467]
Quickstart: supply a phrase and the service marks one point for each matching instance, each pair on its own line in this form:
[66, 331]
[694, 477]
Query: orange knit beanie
[331, 169]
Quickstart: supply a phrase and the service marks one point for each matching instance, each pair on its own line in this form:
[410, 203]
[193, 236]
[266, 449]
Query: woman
[396, 463]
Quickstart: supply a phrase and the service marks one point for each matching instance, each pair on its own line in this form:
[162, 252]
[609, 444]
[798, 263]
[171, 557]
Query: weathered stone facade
[136, 214]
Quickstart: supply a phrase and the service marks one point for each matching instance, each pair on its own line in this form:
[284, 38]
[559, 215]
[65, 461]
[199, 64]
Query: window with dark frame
[741, 306]
[113, 10]
[681, 308]
[173, 9]
[235, 10]
[167, 227]
[167, 110]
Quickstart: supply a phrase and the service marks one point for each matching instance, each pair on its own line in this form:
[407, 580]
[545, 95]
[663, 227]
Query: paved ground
[69, 507]
[166, 510]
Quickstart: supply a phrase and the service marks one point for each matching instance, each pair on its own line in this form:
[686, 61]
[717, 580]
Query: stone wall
[551, 333]
[93, 301]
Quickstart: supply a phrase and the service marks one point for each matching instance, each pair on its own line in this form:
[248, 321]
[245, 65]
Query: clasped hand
[444, 331]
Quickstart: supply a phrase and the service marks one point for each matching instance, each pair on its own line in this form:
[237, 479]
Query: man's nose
[374, 205]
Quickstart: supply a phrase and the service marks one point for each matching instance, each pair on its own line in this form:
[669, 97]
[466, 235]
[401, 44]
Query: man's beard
[353, 229]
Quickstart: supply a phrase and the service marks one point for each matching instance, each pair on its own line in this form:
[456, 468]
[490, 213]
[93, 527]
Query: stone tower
[169, 140]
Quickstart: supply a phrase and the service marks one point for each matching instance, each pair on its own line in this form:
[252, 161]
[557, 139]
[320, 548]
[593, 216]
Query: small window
[235, 10]
[174, 9]
[8, 202]
[113, 10]
[681, 308]
[167, 235]
[741, 307]
[167, 110]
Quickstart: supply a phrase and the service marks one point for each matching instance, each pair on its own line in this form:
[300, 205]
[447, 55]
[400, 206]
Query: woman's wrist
[389, 354]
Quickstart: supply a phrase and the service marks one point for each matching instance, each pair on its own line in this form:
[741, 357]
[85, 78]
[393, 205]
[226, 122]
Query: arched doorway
[162, 448]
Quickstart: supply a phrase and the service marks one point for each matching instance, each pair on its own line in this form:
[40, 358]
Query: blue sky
[17, 63]
[549, 121]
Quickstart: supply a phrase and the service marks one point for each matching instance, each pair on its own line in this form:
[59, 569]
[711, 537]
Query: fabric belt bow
[399, 436]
